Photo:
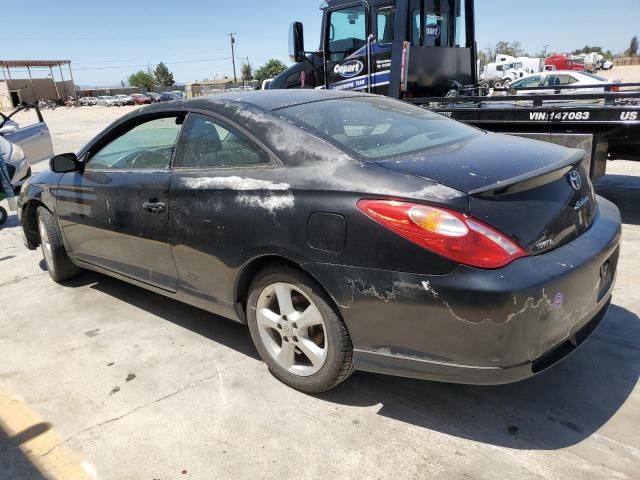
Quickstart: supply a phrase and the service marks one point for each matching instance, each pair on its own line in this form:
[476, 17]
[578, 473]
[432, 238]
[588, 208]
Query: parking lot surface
[103, 380]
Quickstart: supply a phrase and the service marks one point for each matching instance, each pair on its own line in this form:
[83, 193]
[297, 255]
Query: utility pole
[545, 50]
[233, 57]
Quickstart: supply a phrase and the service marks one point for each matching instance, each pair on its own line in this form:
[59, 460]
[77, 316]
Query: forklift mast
[399, 48]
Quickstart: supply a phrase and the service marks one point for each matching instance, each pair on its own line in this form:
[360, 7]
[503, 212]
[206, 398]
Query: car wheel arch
[30, 223]
[251, 269]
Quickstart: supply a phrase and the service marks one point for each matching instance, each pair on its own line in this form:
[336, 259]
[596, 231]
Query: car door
[206, 190]
[34, 139]
[115, 213]
[346, 51]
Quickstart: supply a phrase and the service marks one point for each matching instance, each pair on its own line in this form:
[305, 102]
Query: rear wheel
[3, 216]
[59, 265]
[297, 333]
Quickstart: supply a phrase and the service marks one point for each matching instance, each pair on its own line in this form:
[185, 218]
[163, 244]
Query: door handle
[154, 207]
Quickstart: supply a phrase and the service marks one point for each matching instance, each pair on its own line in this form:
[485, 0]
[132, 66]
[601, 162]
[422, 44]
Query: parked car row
[133, 99]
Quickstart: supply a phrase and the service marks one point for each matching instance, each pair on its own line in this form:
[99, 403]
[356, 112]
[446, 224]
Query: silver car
[107, 101]
[23, 147]
[124, 100]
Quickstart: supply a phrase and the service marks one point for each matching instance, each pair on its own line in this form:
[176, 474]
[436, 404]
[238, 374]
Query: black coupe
[348, 231]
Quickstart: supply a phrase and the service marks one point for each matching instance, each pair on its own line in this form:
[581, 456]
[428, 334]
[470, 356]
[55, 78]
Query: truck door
[346, 49]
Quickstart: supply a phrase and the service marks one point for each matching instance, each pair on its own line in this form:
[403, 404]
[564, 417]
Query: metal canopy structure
[7, 65]
[33, 63]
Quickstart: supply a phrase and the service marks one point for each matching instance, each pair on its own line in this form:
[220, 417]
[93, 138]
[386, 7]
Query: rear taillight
[615, 88]
[453, 235]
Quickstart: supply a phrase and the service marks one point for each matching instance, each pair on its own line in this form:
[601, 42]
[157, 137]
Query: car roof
[276, 99]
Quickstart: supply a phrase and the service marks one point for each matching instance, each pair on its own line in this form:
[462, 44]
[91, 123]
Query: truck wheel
[3, 216]
[497, 85]
[297, 333]
[59, 265]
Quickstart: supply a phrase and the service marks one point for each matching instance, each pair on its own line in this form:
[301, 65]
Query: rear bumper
[479, 326]
[390, 364]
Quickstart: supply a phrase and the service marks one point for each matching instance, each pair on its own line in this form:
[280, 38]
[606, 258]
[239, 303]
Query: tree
[247, 72]
[504, 48]
[163, 76]
[142, 79]
[632, 51]
[271, 69]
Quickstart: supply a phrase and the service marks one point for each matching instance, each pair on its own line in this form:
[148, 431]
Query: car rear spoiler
[532, 179]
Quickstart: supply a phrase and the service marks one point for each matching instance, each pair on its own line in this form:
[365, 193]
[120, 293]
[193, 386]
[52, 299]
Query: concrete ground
[102, 380]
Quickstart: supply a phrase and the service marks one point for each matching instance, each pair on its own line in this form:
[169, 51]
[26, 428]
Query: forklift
[425, 52]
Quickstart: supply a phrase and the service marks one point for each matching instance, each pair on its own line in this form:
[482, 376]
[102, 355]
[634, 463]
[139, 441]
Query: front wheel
[297, 332]
[59, 265]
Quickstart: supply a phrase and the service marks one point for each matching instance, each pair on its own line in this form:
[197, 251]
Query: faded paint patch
[231, 183]
[270, 201]
[398, 289]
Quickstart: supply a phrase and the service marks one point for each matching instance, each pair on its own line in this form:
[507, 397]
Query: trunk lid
[538, 193]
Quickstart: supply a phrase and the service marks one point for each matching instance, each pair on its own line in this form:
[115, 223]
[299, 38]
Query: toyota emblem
[576, 180]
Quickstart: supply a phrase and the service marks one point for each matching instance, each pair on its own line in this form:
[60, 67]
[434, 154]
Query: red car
[140, 99]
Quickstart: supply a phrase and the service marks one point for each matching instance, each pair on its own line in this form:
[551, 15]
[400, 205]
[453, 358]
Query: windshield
[376, 128]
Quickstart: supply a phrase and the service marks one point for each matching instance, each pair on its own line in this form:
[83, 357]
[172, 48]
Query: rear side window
[375, 128]
[207, 143]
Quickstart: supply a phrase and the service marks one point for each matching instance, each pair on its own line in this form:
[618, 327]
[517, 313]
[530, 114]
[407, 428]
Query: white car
[560, 78]
[107, 101]
[22, 147]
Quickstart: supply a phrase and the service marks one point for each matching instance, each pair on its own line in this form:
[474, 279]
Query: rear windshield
[596, 77]
[377, 128]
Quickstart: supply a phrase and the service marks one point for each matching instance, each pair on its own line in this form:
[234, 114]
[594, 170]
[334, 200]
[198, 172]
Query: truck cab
[432, 40]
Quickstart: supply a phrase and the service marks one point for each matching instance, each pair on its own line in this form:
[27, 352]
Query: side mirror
[296, 42]
[65, 163]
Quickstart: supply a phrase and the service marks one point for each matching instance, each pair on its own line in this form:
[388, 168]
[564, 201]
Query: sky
[107, 41]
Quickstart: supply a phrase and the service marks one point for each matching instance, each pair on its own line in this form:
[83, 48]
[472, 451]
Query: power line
[113, 67]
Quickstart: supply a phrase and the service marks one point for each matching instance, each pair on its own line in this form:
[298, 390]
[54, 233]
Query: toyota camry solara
[348, 231]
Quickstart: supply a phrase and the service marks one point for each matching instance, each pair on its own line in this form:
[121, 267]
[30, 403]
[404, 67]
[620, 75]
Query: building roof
[221, 81]
[32, 63]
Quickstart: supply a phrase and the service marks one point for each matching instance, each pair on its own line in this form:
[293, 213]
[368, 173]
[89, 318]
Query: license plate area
[607, 274]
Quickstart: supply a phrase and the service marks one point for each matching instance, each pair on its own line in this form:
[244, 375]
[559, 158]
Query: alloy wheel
[292, 329]
[46, 245]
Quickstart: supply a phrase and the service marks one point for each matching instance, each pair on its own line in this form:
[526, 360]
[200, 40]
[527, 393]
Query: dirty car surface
[349, 231]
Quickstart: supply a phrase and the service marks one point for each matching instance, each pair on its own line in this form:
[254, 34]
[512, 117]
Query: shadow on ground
[213, 327]
[14, 464]
[559, 408]
[624, 191]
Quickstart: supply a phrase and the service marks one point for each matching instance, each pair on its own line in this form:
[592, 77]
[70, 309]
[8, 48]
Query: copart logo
[575, 180]
[432, 30]
[349, 69]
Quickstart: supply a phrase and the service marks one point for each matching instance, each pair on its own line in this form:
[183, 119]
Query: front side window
[347, 32]
[207, 143]
[146, 146]
[378, 128]
[533, 81]
[385, 25]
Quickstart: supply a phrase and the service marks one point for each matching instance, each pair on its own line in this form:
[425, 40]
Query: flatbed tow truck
[424, 52]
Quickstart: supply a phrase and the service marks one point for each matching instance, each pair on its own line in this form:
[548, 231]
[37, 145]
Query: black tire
[59, 264]
[3, 216]
[338, 365]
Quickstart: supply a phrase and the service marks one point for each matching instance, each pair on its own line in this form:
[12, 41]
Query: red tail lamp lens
[453, 235]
